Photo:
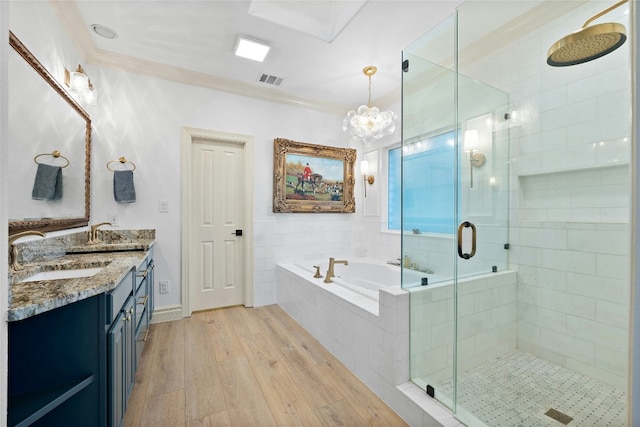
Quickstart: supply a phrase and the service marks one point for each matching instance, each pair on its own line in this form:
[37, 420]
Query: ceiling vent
[269, 79]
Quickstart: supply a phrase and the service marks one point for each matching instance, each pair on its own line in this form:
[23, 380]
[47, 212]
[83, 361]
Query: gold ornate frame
[284, 185]
[51, 224]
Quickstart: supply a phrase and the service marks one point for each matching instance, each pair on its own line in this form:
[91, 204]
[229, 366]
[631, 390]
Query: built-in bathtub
[361, 280]
[370, 335]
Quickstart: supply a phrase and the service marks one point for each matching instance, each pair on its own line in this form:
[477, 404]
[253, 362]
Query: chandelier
[368, 123]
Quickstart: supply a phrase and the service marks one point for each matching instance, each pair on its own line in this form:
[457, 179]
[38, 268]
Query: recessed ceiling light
[104, 31]
[251, 48]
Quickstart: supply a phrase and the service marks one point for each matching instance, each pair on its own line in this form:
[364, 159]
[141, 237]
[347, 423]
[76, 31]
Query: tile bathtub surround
[374, 347]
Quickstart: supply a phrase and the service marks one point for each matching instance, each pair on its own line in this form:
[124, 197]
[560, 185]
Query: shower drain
[558, 416]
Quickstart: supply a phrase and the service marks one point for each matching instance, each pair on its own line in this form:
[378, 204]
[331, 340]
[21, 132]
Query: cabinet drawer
[117, 297]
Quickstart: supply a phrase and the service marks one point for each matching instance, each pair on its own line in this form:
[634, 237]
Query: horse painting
[315, 180]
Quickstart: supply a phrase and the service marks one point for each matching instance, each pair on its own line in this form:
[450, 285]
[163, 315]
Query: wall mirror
[43, 118]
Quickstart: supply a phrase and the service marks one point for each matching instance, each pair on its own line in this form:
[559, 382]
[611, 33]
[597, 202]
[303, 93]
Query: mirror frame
[51, 224]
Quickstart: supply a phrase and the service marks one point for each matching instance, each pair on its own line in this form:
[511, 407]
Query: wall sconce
[80, 85]
[476, 158]
[364, 168]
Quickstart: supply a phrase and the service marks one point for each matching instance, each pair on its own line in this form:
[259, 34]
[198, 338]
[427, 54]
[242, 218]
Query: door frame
[189, 134]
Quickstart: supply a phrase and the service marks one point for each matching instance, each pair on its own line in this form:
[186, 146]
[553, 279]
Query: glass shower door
[485, 298]
[454, 218]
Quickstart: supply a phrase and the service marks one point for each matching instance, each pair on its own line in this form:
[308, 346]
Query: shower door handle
[467, 224]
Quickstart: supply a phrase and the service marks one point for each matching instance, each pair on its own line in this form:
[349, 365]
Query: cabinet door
[130, 348]
[121, 363]
[116, 341]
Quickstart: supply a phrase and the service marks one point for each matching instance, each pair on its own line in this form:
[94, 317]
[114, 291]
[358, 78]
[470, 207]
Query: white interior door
[216, 252]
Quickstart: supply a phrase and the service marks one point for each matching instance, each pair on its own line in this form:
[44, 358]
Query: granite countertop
[30, 298]
[138, 245]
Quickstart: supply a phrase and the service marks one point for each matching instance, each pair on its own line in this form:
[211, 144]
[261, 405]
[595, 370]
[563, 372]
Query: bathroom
[276, 237]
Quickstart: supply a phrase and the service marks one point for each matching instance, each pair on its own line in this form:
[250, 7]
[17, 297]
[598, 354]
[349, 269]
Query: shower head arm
[604, 12]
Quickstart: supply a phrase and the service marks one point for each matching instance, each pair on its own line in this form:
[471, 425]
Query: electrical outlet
[164, 286]
[113, 219]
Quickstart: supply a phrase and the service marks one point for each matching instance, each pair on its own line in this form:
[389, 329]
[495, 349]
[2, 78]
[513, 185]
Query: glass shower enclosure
[504, 254]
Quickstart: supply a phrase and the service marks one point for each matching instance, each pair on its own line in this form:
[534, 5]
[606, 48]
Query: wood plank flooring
[247, 367]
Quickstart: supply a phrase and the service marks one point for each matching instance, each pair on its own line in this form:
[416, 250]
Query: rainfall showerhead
[588, 43]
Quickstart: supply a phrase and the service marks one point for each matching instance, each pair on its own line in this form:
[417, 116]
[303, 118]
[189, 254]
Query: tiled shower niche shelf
[599, 194]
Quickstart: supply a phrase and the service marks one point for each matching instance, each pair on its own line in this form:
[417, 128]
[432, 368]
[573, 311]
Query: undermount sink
[64, 274]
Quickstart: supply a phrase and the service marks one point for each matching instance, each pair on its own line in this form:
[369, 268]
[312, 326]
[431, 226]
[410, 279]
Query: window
[429, 185]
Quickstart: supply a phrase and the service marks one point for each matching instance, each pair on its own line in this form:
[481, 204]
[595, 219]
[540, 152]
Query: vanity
[79, 318]
[79, 313]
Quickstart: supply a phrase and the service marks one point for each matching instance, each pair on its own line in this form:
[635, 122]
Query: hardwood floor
[247, 367]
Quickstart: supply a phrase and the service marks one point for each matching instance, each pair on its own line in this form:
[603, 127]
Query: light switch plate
[113, 219]
[163, 206]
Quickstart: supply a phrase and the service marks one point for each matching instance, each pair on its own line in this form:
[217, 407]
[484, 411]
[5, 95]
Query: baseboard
[167, 314]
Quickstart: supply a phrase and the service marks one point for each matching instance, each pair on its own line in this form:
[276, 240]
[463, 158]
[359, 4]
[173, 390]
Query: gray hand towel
[123, 189]
[48, 183]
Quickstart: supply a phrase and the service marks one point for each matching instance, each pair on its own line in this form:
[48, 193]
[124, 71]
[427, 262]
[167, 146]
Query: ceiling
[193, 42]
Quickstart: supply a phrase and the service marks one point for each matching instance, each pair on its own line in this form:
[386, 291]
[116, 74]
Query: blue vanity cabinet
[120, 347]
[75, 365]
[57, 360]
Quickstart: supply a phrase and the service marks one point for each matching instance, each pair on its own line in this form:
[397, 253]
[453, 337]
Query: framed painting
[312, 178]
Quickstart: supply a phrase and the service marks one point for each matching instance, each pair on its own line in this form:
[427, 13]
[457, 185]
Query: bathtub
[362, 318]
[360, 282]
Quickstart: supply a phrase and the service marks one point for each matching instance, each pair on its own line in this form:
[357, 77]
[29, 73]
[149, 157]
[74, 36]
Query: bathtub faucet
[332, 262]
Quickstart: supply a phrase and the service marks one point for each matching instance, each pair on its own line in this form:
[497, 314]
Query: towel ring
[122, 160]
[56, 154]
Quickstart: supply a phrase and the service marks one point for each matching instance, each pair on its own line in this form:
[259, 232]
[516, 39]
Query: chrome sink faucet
[14, 265]
[93, 234]
[332, 262]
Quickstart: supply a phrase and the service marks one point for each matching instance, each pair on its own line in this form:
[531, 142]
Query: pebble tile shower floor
[517, 389]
